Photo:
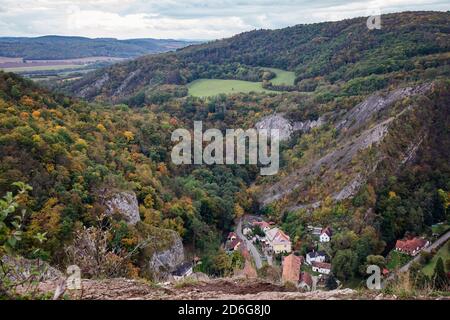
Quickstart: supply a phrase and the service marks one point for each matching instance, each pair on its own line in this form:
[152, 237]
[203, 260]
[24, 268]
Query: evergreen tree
[439, 276]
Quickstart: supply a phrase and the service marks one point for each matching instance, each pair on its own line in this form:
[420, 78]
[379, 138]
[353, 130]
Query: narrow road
[254, 252]
[434, 245]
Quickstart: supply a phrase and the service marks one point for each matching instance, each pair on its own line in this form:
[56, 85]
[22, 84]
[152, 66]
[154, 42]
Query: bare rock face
[166, 261]
[123, 203]
[285, 126]
[362, 128]
[92, 90]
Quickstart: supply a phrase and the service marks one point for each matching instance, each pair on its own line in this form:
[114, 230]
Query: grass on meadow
[214, 87]
[283, 77]
[443, 253]
[397, 259]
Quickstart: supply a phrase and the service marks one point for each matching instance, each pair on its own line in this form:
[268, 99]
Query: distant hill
[59, 47]
[321, 55]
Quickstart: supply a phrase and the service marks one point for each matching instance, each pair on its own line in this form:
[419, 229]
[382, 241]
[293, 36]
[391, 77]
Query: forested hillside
[70, 152]
[327, 57]
[59, 47]
[374, 167]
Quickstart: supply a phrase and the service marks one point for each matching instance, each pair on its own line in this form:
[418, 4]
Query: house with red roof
[233, 245]
[411, 246]
[321, 267]
[279, 241]
[325, 234]
[263, 225]
[232, 236]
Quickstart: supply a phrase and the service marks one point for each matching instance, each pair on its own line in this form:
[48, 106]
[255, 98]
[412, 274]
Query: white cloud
[193, 19]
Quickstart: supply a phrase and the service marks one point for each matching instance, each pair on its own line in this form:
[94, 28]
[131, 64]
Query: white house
[325, 235]
[315, 256]
[321, 267]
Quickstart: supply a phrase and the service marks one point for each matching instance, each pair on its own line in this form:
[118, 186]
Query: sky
[183, 19]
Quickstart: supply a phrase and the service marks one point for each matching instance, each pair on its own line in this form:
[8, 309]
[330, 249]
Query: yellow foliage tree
[128, 135]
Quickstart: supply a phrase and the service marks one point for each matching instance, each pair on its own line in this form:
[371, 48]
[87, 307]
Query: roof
[410, 245]
[306, 278]
[327, 231]
[277, 235]
[231, 234]
[291, 268]
[182, 269]
[234, 243]
[261, 224]
[314, 254]
[321, 265]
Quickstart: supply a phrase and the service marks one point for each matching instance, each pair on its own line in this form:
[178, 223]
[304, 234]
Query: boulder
[164, 262]
[124, 204]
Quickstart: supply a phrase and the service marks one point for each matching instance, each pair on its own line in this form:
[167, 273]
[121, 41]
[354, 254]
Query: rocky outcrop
[285, 126]
[126, 82]
[93, 89]
[22, 269]
[364, 127]
[360, 114]
[124, 204]
[163, 262]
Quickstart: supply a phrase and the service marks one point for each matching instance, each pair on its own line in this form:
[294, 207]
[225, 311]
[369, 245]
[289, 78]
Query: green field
[283, 77]
[440, 228]
[214, 87]
[443, 253]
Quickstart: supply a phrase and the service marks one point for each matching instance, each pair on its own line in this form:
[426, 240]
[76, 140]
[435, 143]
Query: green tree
[344, 264]
[439, 276]
[331, 283]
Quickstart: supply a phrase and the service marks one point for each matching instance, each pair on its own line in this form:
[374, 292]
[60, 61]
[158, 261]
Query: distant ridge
[52, 47]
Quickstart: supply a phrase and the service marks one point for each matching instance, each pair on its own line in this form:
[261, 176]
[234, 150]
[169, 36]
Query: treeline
[58, 47]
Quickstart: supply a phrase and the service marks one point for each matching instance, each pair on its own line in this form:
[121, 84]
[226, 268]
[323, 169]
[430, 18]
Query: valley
[87, 175]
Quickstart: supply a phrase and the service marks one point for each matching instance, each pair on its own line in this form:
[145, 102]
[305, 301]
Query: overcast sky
[182, 19]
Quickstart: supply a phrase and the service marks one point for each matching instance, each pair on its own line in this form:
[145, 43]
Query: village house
[263, 225]
[315, 256]
[231, 236]
[321, 267]
[233, 245]
[315, 231]
[411, 246]
[291, 269]
[279, 241]
[306, 281]
[183, 270]
[325, 235]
